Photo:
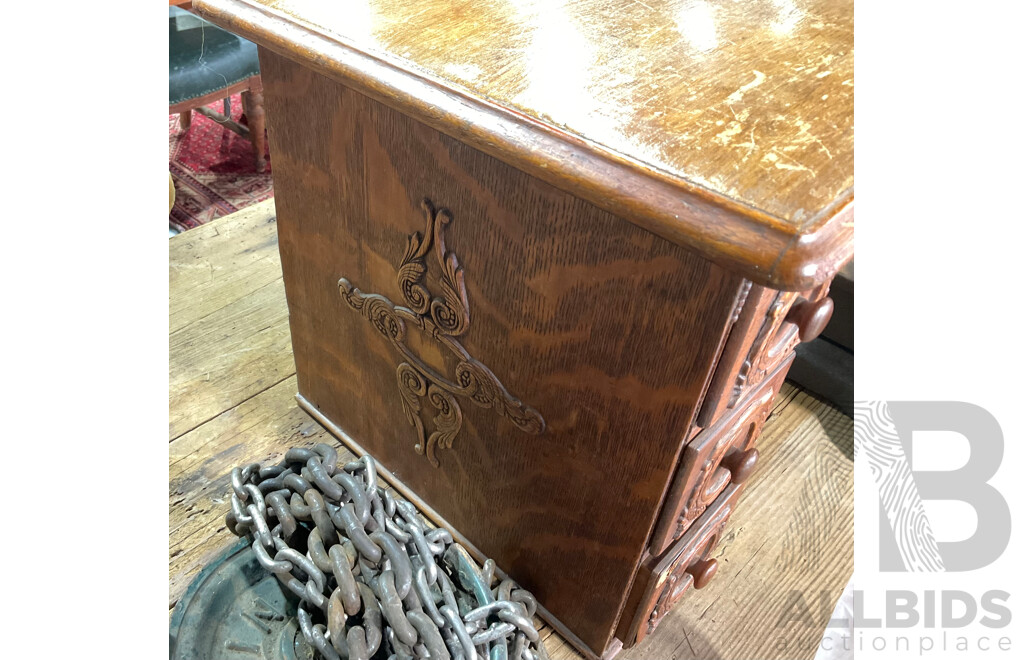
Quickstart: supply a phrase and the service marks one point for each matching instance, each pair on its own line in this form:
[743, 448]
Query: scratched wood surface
[724, 126]
[789, 543]
[753, 100]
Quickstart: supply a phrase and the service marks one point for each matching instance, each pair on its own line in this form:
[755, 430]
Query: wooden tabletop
[232, 387]
[725, 126]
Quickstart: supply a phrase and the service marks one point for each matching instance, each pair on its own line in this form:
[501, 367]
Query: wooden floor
[785, 560]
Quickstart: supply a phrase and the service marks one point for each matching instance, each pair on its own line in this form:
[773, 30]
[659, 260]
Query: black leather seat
[204, 58]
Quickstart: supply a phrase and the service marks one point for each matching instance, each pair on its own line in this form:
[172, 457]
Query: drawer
[662, 581]
[768, 326]
[720, 455]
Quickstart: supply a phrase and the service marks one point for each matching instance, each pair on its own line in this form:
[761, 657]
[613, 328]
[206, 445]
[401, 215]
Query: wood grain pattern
[792, 532]
[212, 265]
[216, 367]
[237, 367]
[726, 127]
[259, 429]
[573, 308]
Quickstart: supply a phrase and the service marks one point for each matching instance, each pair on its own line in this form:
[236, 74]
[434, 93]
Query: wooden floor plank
[259, 430]
[215, 264]
[229, 356]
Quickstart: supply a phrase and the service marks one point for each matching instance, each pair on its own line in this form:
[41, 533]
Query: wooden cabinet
[552, 288]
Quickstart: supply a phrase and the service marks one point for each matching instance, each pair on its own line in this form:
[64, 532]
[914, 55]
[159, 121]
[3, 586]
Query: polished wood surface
[790, 536]
[603, 336]
[725, 127]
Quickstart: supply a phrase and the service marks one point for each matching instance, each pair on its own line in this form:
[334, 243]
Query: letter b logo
[883, 434]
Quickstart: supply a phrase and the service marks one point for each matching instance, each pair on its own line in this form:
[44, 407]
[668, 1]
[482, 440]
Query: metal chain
[373, 579]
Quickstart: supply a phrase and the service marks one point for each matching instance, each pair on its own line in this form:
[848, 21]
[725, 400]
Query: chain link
[373, 580]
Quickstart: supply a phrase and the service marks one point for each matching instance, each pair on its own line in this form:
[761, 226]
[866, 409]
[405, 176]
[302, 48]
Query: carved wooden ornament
[443, 317]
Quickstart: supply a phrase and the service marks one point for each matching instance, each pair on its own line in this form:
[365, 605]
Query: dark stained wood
[725, 127]
[790, 536]
[570, 309]
[749, 318]
[540, 259]
[793, 531]
[719, 94]
[741, 464]
[810, 318]
[702, 572]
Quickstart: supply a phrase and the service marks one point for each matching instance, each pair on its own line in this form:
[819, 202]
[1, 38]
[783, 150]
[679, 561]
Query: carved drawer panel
[720, 455]
[662, 581]
[767, 326]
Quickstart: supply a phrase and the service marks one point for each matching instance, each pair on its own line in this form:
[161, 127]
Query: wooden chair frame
[251, 90]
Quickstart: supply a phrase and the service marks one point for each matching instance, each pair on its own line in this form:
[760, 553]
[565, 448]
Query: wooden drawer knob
[809, 317]
[702, 572]
[740, 464]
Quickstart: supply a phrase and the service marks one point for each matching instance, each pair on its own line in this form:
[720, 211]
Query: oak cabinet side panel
[606, 331]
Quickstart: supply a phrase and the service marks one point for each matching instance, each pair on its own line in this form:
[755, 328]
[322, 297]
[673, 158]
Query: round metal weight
[235, 609]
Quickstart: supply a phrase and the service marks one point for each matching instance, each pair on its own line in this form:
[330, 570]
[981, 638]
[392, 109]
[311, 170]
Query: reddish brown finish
[252, 105]
[740, 464]
[749, 316]
[571, 309]
[662, 580]
[720, 95]
[708, 462]
[702, 572]
[810, 318]
[762, 336]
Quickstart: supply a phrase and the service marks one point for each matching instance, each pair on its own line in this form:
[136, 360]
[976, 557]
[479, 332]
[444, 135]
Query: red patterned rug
[213, 169]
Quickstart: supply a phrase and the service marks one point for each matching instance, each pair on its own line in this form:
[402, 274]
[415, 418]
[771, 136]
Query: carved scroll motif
[442, 317]
[753, 371]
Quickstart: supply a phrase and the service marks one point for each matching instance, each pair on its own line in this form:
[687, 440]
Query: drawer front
[662, 581]
[769, 325]
[720, 455]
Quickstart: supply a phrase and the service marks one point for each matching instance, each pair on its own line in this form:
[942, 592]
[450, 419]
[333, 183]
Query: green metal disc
[236, 610]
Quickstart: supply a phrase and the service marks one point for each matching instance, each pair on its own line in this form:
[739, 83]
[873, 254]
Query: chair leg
[252, 105]
[185, 119]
